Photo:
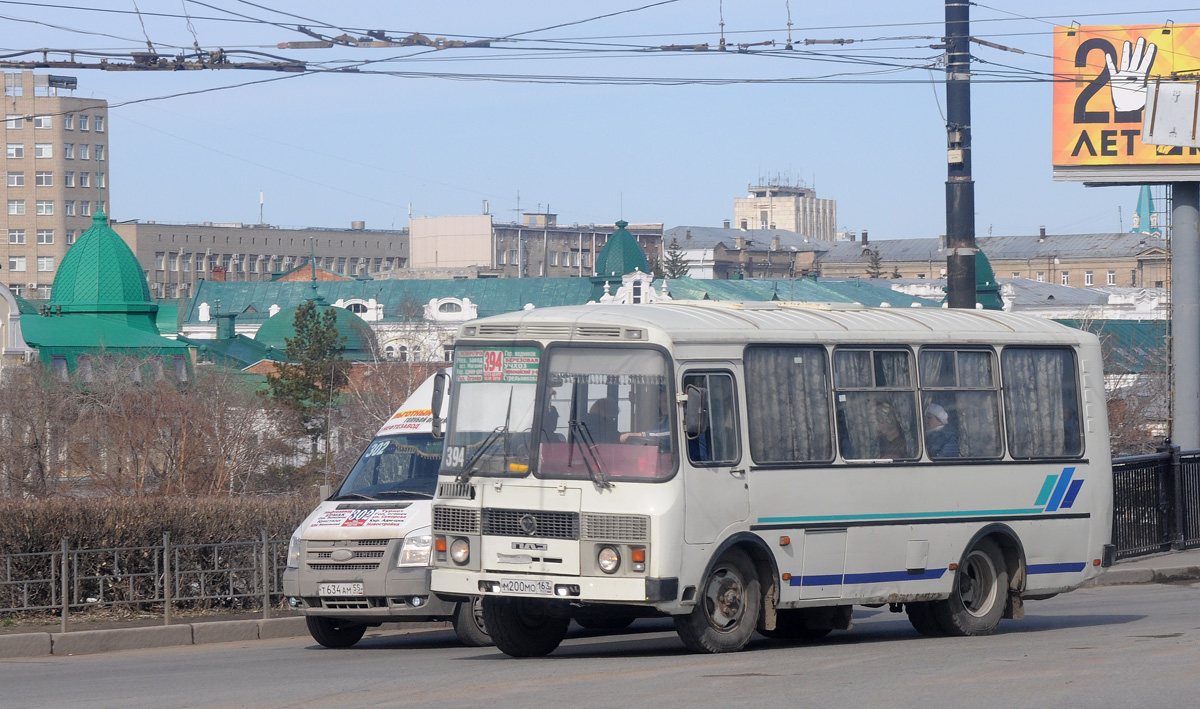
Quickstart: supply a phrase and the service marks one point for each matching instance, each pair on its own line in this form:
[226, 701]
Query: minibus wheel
[727, 609]
[521, 627]
[469, 625]
[334, 632]
[976, 603]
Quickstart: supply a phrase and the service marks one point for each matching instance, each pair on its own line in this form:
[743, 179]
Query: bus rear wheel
[727, 611]
[920, 614]
[980, 592]
[334, 632]
[521, 627]
[469, 625]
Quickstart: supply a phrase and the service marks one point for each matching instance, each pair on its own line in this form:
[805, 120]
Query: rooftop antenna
[260, 206]
[788, 5]
[721, 14]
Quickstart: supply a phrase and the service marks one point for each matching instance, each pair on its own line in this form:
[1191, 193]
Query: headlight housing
[293, 557]
[609, 560]
[460, 551]
[415, 550]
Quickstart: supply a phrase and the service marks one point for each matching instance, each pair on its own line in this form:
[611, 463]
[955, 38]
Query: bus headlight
[460, 551]
[608, 559]
[293, 557]
[415, 550]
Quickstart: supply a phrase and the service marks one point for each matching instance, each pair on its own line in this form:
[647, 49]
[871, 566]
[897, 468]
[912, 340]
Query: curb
[89, 642]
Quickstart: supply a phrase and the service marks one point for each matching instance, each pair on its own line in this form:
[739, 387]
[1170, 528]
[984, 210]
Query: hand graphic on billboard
[1129, 84]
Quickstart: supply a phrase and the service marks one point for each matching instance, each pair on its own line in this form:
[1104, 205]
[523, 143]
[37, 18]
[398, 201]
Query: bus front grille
[531, 523]
[616, 528]
[455, 520]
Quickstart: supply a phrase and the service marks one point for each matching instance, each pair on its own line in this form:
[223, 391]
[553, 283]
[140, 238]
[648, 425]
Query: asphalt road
[1105, 646]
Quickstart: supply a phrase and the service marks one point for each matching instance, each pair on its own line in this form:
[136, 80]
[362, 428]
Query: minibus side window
[1041, 402]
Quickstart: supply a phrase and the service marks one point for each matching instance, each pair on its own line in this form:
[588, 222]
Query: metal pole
[266, 579]
[1185, 315]
[66, 602]
[960, 189]
[167, 578]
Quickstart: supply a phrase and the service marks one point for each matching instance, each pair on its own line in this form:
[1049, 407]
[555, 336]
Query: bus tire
[468, 623]
[522, 628]
[616, 622]
[334, 632]
[790, 624]
[727, 610]
[976, 603]
[921, 616]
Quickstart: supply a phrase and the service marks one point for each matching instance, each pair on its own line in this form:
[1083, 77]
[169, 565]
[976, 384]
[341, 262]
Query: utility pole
[960, 189]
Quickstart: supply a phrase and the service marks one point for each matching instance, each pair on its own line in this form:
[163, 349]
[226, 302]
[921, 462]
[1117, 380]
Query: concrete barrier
[224, 631]
[84, 642]
[25, 645]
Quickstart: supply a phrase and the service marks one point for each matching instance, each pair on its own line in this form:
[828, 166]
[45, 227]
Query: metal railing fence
[1156, 502]
[241, 575]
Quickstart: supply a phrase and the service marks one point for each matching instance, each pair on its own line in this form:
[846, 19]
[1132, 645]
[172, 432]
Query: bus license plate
[540, 588]
[340, 589]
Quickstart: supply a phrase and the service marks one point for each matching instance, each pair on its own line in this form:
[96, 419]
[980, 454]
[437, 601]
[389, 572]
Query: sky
[573, 109]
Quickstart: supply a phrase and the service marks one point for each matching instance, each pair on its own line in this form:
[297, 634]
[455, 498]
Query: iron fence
[241, 575]
[1156, 502]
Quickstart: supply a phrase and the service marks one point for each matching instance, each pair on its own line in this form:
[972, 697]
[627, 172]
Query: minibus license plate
[340, 589]
[541, 588]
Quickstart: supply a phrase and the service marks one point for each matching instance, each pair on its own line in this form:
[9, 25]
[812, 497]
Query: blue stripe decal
[1047, 487]
[1070, 567]
[871, 577]
[1071, 493]
[1060, 489]
[900, 515]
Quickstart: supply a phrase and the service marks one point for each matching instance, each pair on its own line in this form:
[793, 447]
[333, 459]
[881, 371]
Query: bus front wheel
[521, 627]
[976, 603]
[727, 611]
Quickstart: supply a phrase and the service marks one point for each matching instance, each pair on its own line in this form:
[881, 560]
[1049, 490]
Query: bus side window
[1041, 402]
[710, 420]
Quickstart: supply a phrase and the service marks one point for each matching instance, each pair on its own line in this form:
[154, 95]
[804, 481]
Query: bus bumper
[576, 588]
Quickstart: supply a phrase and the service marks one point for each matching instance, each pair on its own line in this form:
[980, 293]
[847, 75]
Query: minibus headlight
[293, 557]
[415, 550]
[460, 551]
[608, 559]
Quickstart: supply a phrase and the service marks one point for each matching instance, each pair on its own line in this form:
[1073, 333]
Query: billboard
[1103, 77]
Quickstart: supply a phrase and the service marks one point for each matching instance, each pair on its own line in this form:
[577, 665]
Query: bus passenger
[602, 420]
[941, 440]
[889, 437]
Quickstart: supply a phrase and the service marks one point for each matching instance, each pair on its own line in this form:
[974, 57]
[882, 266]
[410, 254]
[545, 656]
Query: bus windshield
[395, 466]
[606, 414]
[491, 427]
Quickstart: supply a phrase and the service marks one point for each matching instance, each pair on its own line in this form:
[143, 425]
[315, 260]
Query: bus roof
[743, 322]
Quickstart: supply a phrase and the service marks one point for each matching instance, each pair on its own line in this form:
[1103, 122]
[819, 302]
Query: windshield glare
[492, 422]
[395, 466]
[607, 415]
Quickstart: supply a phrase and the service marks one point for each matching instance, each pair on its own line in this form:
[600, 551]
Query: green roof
[237, 352]
[1132, 346]
[806, 290]
[281, 327]
[81, 331]
[621, 255]
[100, 274]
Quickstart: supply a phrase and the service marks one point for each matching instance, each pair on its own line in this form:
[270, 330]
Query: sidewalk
[1158, 568]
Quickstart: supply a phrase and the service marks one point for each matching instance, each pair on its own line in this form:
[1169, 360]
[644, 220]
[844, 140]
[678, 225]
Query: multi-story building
[537, 246]
[790, 207]
[177, 256]
[56, 175]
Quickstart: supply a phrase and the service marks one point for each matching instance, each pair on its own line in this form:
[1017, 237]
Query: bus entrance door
[715, 482]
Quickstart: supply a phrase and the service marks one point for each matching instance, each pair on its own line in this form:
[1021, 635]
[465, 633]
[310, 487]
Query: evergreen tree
[675, 265]
[874, 264]
[315, 369]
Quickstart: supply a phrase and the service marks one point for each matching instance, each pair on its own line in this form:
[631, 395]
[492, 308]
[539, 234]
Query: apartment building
[178, 256]
[779, 205]
[56, 175]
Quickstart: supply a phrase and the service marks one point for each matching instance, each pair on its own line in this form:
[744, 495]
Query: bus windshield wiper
[469, 468]
[587, 450]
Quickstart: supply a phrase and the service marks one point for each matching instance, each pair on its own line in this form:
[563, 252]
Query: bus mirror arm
[441, 383]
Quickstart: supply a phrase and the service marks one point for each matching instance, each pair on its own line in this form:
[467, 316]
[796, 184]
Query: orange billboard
[1101, 79]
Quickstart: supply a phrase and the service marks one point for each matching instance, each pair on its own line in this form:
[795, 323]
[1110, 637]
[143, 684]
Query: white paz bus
[767, 466]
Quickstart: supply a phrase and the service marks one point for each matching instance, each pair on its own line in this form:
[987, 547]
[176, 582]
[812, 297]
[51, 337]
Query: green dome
[621, 255]
[100, 274]
[359, 337]
[987, 290]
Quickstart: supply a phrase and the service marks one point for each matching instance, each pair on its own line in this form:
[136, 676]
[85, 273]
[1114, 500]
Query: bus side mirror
[441, 384]
[693, 413]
